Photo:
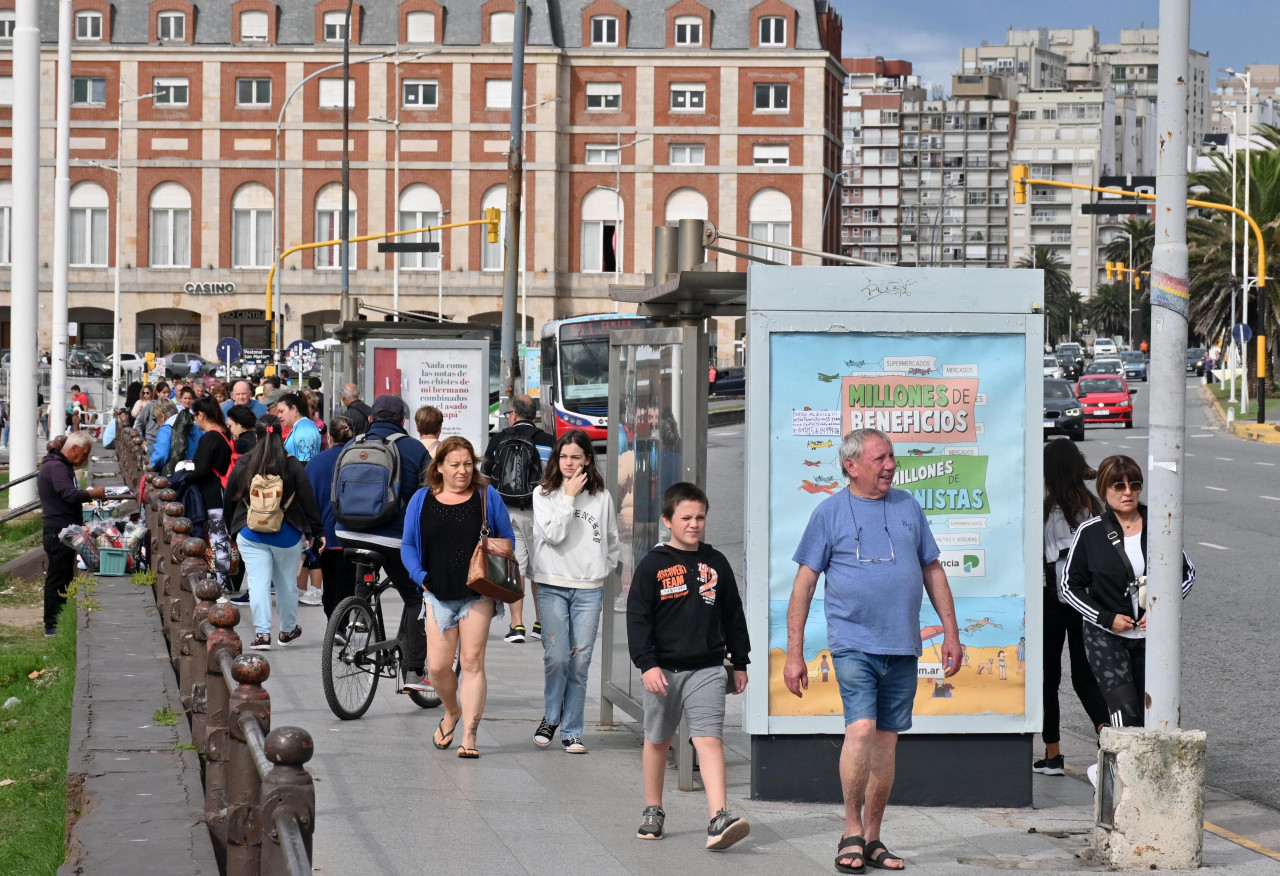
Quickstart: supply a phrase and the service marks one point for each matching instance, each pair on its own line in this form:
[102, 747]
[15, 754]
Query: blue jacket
[164, 440]
[413, 461]
[411, 546]
[304, 441]
[254, 405]
[320, 474]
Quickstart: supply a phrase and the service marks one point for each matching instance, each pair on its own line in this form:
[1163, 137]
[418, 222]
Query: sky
[930, 33]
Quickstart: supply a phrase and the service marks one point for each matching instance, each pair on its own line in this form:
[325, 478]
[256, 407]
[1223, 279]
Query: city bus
[575, 372]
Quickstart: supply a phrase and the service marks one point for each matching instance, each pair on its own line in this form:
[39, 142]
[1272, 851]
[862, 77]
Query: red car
[1105, 399]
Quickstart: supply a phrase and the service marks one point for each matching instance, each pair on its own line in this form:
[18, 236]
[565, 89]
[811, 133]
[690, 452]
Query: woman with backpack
[442, 527]
[273, 515]
[212, 465]
[575, 546]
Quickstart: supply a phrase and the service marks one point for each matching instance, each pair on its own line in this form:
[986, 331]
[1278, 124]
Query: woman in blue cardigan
[441, 529]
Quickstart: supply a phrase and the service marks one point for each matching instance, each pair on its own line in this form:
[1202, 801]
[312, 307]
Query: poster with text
[451, 378]
[954, 407]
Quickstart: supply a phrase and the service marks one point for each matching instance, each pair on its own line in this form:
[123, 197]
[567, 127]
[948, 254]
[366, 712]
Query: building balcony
[1050, 218]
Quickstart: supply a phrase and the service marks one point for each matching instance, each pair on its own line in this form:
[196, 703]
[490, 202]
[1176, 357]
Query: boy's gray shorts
[699, 693]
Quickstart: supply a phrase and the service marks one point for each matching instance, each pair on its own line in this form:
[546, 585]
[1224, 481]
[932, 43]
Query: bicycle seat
[360, 555]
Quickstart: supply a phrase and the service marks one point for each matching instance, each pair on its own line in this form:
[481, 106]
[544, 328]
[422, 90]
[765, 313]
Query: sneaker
[1049, 766]
[311, 596]
[413, 681]
[53, 631]
[339, 639]
[544, 734]
[573, 745]
[286, 638]
[515, 635]
[536, 632]
[261, 642]
[725, 830]
[651, 827]
[241, 598]
[1092, 773]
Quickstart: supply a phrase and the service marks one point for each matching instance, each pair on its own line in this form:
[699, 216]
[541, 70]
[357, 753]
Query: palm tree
[1058, 297]
[1212, 281]
[1143, 232]
[1108, 309]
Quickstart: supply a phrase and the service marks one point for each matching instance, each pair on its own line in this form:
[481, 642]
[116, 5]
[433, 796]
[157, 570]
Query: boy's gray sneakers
[725, 830]
[651, 827]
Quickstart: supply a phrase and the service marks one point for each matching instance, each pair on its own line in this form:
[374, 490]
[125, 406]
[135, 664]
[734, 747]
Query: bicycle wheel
[425, 700]
[350, 676]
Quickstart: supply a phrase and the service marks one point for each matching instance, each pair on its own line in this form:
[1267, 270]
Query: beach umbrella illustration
[930, 633]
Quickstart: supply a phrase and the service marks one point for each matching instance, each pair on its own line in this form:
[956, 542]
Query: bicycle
[356, 651]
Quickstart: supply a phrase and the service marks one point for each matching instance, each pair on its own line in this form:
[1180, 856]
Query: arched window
[170, 226]
[601, 210]
[329, 224]
[89, 204]
[419, 208]
[773, 30]
[769, 218]
[251, 228]
[685, 204]
[502, 27]
[491, 253]
[6, 221]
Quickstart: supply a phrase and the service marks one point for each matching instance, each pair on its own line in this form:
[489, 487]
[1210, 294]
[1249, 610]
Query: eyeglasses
[858, 537]
[1120, 486]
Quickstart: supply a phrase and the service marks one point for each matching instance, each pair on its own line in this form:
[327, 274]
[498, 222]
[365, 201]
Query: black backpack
[366, 483]
[517, 467]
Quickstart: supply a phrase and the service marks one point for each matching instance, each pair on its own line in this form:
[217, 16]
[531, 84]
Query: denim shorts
[448, 612]
[880, 687]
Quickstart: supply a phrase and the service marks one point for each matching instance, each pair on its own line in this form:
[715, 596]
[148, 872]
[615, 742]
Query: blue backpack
[366, 483]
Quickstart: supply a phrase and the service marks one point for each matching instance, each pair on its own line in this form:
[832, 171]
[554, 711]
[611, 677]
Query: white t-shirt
[1133, 549]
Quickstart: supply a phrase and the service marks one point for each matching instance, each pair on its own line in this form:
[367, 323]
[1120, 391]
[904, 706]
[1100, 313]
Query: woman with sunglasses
[1105, 581]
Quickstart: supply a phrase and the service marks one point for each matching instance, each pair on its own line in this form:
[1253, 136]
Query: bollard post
[244, 785]
[194, 682]
[192, 573]
[180, 555]
[223, 639]
[172, 518]
[288, 794]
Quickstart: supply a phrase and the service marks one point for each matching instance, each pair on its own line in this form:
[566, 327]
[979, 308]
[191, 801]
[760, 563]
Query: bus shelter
[946, 362]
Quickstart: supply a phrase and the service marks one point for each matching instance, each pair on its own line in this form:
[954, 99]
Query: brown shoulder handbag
[494, 571]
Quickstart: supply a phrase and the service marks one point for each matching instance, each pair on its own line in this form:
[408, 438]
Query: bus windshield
[584, 369]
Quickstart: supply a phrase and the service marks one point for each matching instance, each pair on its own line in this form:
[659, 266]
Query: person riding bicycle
[386, 429]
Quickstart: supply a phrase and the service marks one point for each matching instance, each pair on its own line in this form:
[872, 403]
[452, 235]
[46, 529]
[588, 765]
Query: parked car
[1052, 368]
[178, 365]
[130, 363]
[1105, 399]
[1104, 348]
[1135, 365]
[1063, 414]
[1105, 366]
[1195, 360]
[1070, 367]
[81, 360]
[730, 381]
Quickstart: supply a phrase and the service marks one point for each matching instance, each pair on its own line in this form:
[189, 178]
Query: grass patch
[33, 745]
[1222, 392]
[20, 536]
[165, 716]
[143, 579]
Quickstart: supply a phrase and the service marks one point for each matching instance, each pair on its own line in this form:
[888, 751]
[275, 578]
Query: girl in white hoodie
[575, 547]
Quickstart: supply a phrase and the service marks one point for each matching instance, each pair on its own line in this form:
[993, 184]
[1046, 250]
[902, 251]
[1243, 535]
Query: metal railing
[259, 797]
[21, 510]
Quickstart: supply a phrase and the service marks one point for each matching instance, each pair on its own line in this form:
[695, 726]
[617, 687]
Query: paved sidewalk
[389, 803]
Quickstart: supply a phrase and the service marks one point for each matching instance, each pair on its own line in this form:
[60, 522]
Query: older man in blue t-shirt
[874, 545]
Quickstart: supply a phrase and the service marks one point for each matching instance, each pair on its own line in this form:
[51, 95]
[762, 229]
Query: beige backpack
[265, 503]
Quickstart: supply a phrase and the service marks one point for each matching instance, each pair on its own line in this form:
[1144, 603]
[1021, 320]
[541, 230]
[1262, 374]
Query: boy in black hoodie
[684, 618]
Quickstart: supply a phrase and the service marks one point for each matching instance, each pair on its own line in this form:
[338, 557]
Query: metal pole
[344, 227]
[1132, 274]
[835, 185]
[62, 225]
[617, 229]
[1247, 78]
[1231, 344]
[118, 318]
[395, 200]
[25, 287]
[515, 163]
[1170, 305]
[440, 273]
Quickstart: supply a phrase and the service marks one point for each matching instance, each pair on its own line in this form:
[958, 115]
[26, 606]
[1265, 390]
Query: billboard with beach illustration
[955, 407]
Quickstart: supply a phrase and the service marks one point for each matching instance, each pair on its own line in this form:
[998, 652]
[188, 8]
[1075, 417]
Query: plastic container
[113, 562]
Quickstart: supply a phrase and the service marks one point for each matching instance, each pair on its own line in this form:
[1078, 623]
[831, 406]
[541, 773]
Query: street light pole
[835, 186]
[1130, 280]
[515, 179]
[344, 222]
[119, 171]
[1247, 78]
[617, 191]
[1231, 344]
[62, 221]
[440, 272]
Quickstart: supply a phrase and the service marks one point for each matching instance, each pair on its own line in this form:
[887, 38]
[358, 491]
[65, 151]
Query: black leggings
[1120, 665]
[1062, 624]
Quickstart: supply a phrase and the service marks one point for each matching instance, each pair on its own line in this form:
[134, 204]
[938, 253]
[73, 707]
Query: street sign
[229, 350]
[429, 246]
[301, 356]
[1241, 333]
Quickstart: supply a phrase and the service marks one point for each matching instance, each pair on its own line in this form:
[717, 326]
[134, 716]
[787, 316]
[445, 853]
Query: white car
[1052, 369]
[1104, 348]
[129, 363]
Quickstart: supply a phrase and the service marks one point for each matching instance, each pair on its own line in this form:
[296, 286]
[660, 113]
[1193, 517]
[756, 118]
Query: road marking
[1209, 544]
[1203, 436]
[1218, 489]
[1264, 463]
[1272, 498]
[1242, 841]
[1224, 459]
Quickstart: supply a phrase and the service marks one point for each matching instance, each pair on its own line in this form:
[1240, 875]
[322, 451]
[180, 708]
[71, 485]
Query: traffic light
[492, 215]
[148, 367]
[1019, 183]
[1111, 271]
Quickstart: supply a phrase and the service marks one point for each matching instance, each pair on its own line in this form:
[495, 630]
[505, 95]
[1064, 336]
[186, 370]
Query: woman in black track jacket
[1105, 580]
